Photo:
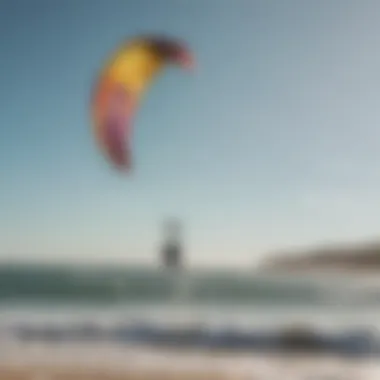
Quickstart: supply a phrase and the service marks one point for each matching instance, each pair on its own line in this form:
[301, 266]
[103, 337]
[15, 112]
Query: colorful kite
[121, 85]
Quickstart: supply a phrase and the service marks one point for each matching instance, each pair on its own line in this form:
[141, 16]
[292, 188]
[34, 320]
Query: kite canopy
[121, 84]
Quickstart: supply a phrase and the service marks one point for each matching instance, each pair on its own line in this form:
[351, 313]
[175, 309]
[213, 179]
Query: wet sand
[54, 372]
[50, 373]
[79, 362]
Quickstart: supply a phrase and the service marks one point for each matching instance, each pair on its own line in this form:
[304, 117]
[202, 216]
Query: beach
[82, 362]
[46, 373]
[310, 369]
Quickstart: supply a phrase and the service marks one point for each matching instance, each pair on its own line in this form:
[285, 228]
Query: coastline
[48, 373]
[85, 362]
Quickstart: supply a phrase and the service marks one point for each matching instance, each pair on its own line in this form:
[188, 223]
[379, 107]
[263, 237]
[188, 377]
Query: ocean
[87, 303]
[216, 298]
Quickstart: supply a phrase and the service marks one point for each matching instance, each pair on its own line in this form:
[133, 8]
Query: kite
[120, 86]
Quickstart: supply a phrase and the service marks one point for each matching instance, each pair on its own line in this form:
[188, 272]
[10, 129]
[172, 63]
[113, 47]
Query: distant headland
[352, 257]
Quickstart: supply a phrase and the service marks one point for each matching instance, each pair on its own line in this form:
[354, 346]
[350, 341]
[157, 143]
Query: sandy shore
[51, 373]
[80, 362]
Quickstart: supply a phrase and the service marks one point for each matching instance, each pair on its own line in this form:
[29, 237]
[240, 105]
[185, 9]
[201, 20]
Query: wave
[108, 286]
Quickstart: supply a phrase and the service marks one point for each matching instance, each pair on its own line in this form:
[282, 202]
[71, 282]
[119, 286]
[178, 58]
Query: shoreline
[85, 362]
[53, 373]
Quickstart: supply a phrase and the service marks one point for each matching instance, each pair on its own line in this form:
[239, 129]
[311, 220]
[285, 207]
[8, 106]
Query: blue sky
[273, 142]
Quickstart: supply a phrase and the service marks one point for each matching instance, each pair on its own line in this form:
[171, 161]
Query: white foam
[221, 317]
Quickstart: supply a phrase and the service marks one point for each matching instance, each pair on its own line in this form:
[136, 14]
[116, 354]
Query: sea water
[217, 299]
[106, 298]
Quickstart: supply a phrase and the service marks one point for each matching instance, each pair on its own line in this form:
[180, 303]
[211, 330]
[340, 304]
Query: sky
[273, 142]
